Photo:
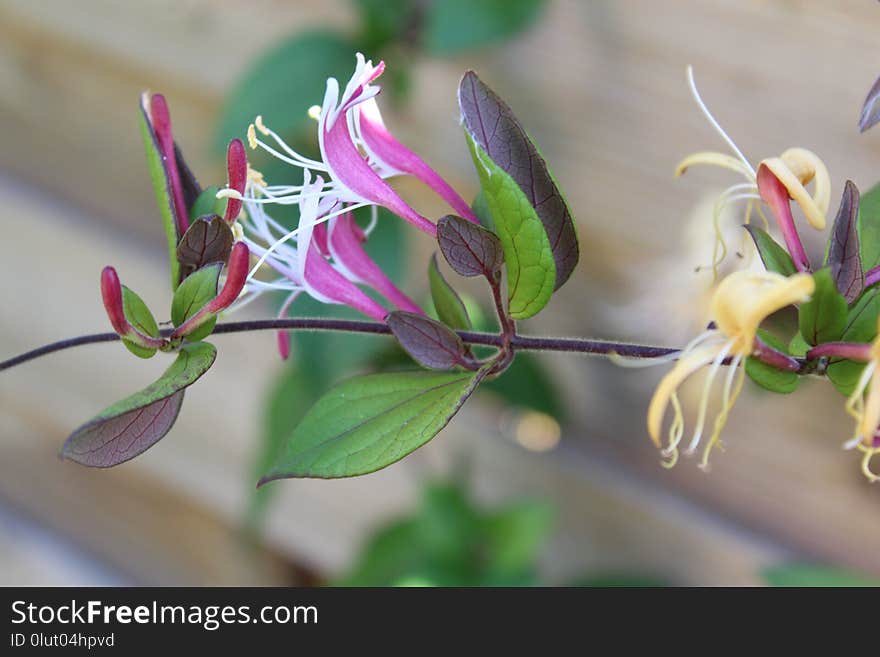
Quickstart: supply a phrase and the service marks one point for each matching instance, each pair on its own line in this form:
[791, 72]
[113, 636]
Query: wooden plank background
[601, 86]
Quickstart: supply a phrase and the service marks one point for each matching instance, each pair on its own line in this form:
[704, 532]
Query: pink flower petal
[385, 148]
[322, 280]
[775, 195]
[346, 246]
[352, 170]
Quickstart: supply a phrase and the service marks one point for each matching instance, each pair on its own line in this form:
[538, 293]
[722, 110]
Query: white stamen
[704, 397]
[713, 122]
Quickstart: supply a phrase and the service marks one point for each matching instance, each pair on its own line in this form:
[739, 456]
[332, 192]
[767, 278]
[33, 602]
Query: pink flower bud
[161, 120]
[236, 166]
[236, 275]
[111, 292]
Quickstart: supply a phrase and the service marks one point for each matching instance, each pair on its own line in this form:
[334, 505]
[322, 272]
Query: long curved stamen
[731, 393]
[676, 431]
[869, 453]
[704, 397]
[714, 123]
[296, 231]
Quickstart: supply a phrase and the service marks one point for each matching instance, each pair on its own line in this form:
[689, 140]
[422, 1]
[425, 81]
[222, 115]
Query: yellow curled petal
[744, 299]
[870, 419]
[714, 159]
[688, 364]
[796, 168]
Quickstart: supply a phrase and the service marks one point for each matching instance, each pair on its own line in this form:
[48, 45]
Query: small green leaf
[207, 203]
[449, 306]
[844, 375]
[806, 575]
[869, 228]
[452, 26]
[774, 256]
[769, 377]
[139, 316]
[823, 318]
[162, 189]
[861, 326]
[470, 250]
[369, 422]
[196, 290]
[798, 346]
[136, 423]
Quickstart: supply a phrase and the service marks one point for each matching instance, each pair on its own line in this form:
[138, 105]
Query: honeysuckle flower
[358, 153]
[791, 172]
[738, 306]
[323, 256]
[237, 174]
[866, 411]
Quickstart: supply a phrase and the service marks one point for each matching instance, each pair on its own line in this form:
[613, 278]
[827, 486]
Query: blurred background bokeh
[549, 479]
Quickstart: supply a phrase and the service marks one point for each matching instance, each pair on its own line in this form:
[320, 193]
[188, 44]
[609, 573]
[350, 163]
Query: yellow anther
[261, 126]
[226, 192]
[252, 137]
[255, 177]
[315, 112]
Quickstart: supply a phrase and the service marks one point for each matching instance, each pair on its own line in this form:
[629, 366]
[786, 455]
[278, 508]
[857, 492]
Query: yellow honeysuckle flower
[739, 305]
[795, 169]
[867, 411]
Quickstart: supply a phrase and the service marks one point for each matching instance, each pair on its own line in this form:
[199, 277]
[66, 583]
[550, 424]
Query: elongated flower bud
[161, 119]
[236, 166]
[111, 293]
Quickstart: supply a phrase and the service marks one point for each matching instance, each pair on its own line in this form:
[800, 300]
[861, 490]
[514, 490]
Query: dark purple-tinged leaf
[493, 127]
[469, 249]
[188, 183]
[131, 426]
[773, 255]
[843, 249]
[430, 343]
[209, 239]
[871, 109]
[449, 306]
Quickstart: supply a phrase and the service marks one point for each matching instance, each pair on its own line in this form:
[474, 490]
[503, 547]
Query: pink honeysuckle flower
[323, 256]
[358, 153]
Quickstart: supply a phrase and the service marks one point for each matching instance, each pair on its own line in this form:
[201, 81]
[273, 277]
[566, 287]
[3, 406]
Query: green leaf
[129, 427]
[769, 377]
[452, 26]
[139, 316]
[861, 326]
[802, 575]
[449, 306]
[531, 272]
[162, 189]
[823, 318]
[529, 211]
[196, 290]
[844, 375]
[369, 422]
[798, 347]
[283, 83]
[774, 256]
[869, 228]
[207, 203]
